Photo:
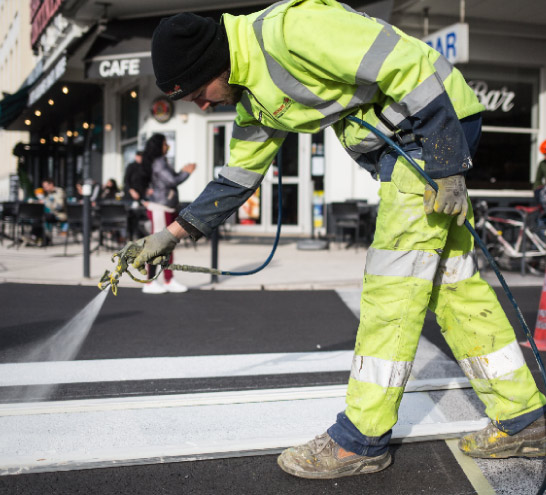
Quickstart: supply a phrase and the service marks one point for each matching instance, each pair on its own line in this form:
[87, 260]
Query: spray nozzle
[126, 256]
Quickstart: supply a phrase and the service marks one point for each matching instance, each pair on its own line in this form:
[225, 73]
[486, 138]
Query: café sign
[452, 42]
[107, 67]
[493, 98]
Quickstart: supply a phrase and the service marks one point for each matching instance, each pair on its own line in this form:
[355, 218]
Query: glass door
[260, 213]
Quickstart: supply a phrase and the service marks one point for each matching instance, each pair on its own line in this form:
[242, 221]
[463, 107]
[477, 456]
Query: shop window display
[507, 148]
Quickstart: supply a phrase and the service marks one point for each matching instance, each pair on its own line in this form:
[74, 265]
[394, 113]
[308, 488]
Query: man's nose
[202, 104]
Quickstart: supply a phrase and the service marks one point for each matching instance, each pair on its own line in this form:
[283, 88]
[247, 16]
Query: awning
[123, 49]
[12, 106]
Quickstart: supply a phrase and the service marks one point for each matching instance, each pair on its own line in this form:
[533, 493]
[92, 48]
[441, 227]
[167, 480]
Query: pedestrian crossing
[56, 435]
[84, 434]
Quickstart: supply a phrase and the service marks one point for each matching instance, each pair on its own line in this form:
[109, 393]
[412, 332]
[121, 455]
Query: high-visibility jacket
[306, 65]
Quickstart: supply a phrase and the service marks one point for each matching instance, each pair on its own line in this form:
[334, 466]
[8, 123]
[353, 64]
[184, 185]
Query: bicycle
[514, 237]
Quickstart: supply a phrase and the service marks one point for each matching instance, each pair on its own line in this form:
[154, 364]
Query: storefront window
[129, 114]
[510, 126]
[289, 204]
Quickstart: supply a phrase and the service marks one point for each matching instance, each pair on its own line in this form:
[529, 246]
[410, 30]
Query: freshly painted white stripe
[84, 439]
[380, 371]
[471, 469]
[456, 269]
[419, 264]
[115, 370]
[494, 365]
[209, 399]
[119, 456]
[154, 454]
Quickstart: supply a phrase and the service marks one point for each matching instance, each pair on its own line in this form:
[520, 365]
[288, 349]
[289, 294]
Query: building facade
[112, 105]
[16, 62]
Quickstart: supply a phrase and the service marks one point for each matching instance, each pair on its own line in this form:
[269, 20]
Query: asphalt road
[217, 323]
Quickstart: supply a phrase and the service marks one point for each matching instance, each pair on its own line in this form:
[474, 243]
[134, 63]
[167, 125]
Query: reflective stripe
[372, 142]
[380, 371]
[245, 178]
[456, 269]
[494, 365]
[373, 59]
[348, 8]
[286, 82]
[414, 101]
[245, 101]
[387, 263]
[363, 94]
[257, 134]
[443, 67]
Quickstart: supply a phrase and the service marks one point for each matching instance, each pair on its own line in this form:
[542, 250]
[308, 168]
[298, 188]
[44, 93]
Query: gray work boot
[491, 443]
[322, 458]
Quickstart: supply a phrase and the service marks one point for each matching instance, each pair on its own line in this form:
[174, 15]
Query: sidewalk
[291, 268]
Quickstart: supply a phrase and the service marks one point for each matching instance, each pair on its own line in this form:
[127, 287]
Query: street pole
[87, 189]
[215, 237]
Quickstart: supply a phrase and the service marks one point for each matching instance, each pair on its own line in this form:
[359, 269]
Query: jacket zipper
[264, 110]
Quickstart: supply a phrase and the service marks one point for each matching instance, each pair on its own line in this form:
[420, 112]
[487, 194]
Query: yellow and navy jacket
[306, 65]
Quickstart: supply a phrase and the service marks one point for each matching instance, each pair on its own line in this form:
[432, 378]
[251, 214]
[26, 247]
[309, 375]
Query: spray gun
[127, 255]
[131, 250]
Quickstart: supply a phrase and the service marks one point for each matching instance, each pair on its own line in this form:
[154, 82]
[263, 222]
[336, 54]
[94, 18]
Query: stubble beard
[232, 94]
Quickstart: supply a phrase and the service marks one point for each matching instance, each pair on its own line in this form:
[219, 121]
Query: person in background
[135, 184]
[135, 181]
[54, 202]
[110, 191]
[540, 179]
[163, 202]
[95, 192]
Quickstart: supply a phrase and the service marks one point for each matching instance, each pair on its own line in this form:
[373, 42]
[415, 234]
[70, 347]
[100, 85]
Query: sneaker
[491, 443]
[174, 286]
[154, 287]
[322, 458]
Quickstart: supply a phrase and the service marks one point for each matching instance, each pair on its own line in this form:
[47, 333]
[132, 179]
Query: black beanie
[188, 51]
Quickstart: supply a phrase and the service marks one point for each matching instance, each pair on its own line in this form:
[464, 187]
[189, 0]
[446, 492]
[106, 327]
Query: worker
[301, 66]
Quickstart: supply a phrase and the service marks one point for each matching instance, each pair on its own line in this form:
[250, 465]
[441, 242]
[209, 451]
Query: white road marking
[207, 399]
[53, 441]
[115, 370]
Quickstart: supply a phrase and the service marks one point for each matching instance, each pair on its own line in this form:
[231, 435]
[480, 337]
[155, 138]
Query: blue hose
[277, 235]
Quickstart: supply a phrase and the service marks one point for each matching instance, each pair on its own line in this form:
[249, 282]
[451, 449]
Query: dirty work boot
[322, 458]
[491, 443]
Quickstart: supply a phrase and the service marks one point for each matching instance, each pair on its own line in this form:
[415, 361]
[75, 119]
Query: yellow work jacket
[306, 65]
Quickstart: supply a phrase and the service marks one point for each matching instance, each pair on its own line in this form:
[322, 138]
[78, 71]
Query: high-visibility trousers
[420, 261]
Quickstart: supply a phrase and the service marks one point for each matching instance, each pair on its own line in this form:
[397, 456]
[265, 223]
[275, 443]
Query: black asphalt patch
[417, 468]
[134, 325]
[135, 388]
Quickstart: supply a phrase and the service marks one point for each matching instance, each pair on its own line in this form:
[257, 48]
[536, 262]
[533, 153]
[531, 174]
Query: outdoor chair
[74, 222]
[113, 224]
[8, 215]
[348, 223]
[30, 214]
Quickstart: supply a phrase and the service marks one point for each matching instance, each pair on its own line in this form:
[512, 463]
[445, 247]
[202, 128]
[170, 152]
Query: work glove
[155, 249]
[450, 198]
